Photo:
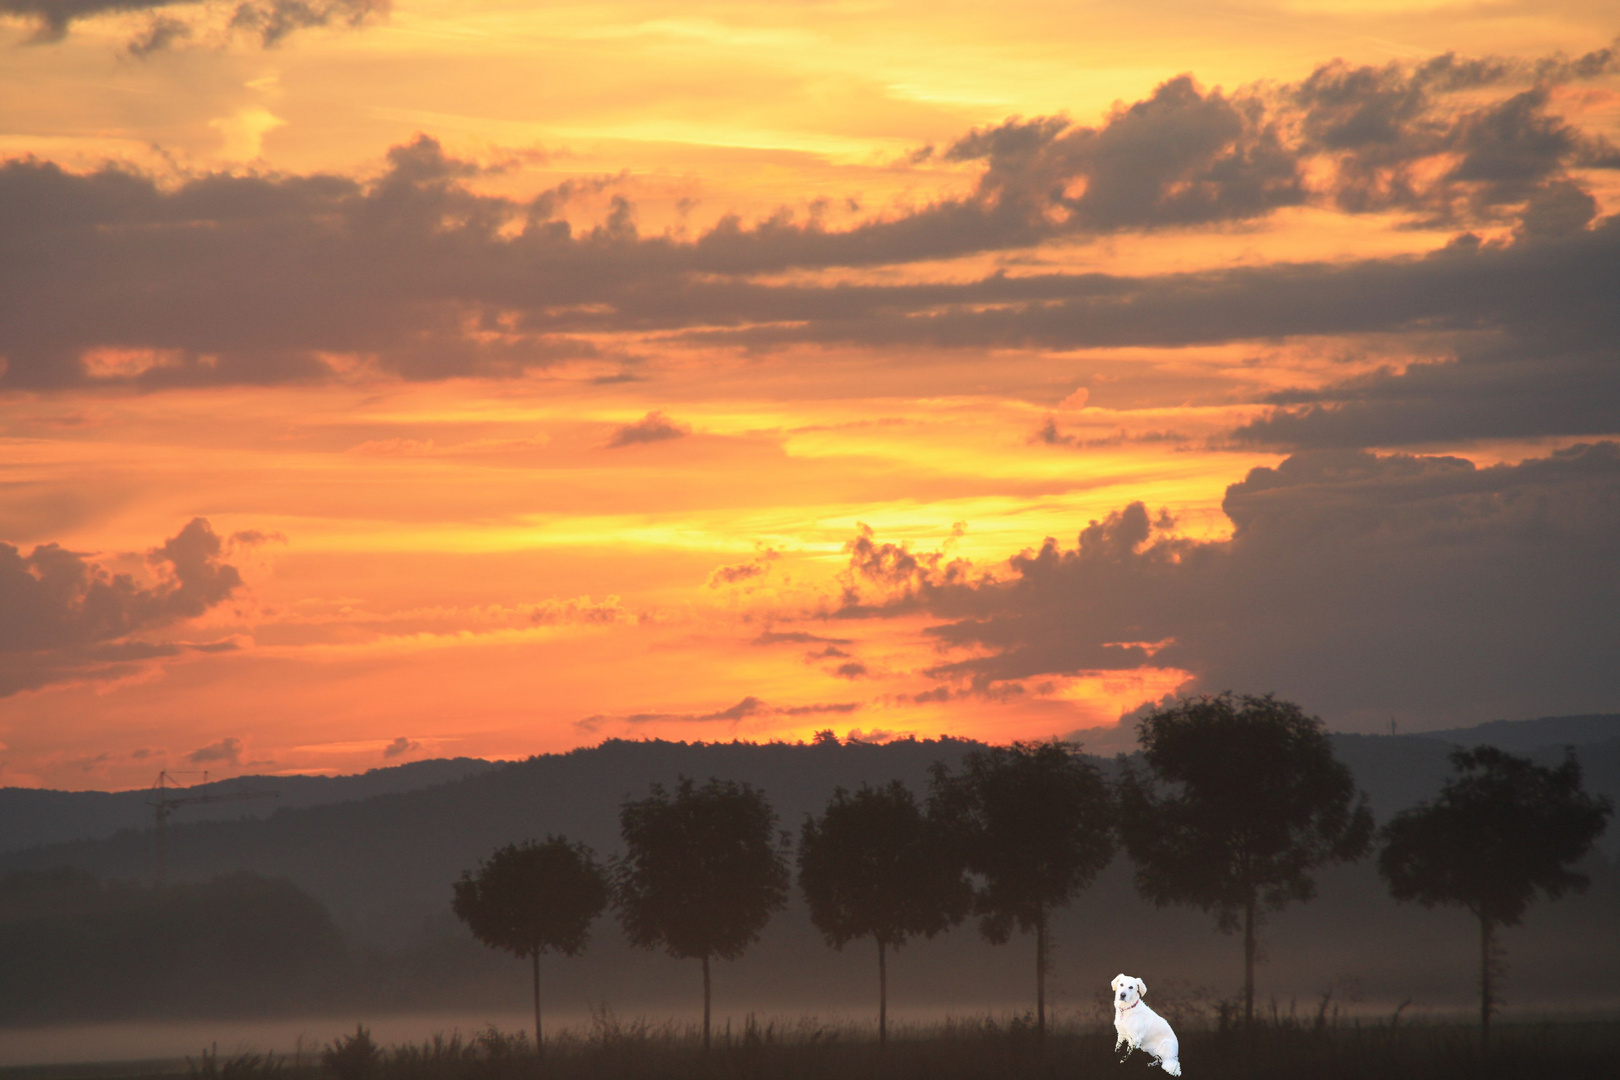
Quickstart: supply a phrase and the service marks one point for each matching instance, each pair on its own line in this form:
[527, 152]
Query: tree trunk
[705, 1002]
[883, 993]
[1040, 975]
[1487, 996]
[1248, 964]
[539, 1041]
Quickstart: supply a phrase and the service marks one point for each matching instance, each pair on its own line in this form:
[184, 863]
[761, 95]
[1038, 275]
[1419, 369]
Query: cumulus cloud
[1397, 142]
[63, 616]
[400, 747]
[1357, 583]
[1181, 157]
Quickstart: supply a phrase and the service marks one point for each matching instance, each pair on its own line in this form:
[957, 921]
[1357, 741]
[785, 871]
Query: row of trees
[1236, 802]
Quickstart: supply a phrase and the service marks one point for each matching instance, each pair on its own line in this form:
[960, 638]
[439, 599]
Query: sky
[382, 381]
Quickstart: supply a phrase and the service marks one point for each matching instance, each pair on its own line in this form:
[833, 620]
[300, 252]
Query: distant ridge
[1519, 736]
[30, 817]
[33, 817]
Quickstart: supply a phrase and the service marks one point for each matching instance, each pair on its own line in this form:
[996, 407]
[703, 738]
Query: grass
[981, 1049]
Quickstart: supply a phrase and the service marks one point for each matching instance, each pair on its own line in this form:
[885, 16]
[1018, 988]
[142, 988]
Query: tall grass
[1312, 1047]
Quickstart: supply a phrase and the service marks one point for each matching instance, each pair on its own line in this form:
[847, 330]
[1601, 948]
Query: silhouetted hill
[385, 863]
[1517, 736]
[1401, 770]
[29, 816]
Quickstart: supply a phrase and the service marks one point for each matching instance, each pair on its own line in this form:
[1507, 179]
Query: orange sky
[538, 368]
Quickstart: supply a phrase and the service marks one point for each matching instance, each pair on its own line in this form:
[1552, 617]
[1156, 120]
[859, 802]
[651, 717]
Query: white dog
[1140, 1028]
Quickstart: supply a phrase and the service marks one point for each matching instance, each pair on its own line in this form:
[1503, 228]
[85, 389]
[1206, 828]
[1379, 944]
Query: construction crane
[163, 804]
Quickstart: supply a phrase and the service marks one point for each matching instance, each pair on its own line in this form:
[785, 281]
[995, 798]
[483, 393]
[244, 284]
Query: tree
[1244, 800]
[703, 871]
[1036, 822]
[874, 865]
[1501, 830]
[533, 897]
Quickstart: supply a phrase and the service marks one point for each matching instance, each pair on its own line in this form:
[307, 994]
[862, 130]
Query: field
[1317, 1048]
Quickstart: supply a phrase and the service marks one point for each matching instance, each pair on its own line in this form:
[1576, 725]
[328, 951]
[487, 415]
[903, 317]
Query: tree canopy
[1036, 822]
[703, 871]
[875, 865]
[531, 898]
[1242, 800]
[1501, 831]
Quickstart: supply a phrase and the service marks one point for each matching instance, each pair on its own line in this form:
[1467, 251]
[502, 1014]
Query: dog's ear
[1141, 988]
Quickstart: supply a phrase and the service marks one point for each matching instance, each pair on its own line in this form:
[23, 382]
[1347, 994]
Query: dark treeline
[1237, 804]
[73, 947]
[376, 863]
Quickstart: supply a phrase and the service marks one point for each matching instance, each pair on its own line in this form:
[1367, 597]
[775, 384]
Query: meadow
[1317, 1046]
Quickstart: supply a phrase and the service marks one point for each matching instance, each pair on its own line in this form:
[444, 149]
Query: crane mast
[164, 805]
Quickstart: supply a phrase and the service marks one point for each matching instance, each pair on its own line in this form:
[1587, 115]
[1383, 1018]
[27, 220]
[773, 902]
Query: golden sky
[391, 380]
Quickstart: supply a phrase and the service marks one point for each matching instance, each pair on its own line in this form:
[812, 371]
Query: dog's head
[1127, 991]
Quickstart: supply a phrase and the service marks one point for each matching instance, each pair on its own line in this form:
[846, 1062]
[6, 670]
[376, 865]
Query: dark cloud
[737, 573]
[1416, 137]
[830, 652]
[273, 20]
[256, 537]
[1551, 365]
[654, 427]
[269, 20]
[227, 750]
[257, 278]
[581, 610]
[796, 637]
[749, 707]
[64, 616]
[899, 573]
[1361, 585]
[829, 707]
[1182, 157]
[1535, 322]
[52, 18]
[55, 598]
[401, 746]
[1049, 434]
[162, 32]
